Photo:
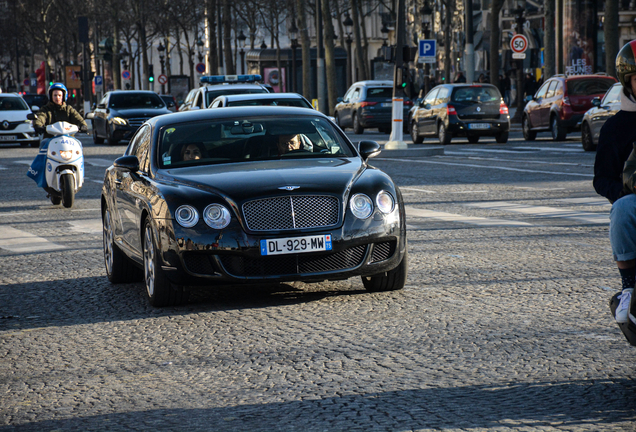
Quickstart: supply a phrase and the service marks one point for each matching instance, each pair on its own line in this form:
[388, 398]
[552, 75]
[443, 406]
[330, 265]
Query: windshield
[12, 104]
[249, 139]
[135, 100]
[274, 102]
[227, 90]
[476, 94]
[589, 86]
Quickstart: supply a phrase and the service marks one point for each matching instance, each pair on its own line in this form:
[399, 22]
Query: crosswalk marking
[543, 211]
[98, 162]
[88, 226]
[15, 240]
[587, 201]
[451, 217]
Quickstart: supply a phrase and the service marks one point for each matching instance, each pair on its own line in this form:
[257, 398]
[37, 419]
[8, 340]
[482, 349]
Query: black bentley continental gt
[249, 195]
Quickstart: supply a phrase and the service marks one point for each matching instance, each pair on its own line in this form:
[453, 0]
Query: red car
[560, 103]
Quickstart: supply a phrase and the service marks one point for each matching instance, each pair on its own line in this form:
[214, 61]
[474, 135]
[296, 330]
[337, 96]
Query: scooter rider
[58, 110]
[616, 142]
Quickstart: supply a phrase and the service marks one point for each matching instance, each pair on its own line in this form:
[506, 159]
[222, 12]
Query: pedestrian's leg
[623, 240]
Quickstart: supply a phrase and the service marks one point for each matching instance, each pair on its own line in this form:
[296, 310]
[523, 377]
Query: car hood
[139, 112]
[250, 180]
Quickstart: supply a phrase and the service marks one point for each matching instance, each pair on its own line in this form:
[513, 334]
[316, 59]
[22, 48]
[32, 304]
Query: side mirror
[529, 98]
[35, 108]
[421, 103]
[31, 116]
[368, 149]
[127, 163]
[90, 115]
[428, 106]
[339, 99]
[596, 101]
[101, 106]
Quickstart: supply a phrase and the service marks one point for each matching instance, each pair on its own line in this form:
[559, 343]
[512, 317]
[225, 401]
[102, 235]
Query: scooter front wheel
[67, 187]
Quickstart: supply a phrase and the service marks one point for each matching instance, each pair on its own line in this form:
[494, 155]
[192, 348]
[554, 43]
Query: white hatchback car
[16, 121]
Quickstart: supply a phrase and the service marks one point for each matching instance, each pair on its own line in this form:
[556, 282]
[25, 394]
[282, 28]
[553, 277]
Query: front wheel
[586, 138]
[67, 187]
[528, 134]
[336, 117]
[388, 281]
[160, 290]
[97, 139]
[415, 134]
[119, 268]
[111, 139]
[502, 137]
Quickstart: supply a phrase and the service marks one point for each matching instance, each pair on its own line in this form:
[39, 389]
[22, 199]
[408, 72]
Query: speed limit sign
[519, 43]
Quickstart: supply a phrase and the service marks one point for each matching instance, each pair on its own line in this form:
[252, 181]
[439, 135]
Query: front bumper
[122, 132]
[233, 256]
[466, 127]
[19, 135]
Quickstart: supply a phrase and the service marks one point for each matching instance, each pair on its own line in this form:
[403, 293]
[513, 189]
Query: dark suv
[369, 104]
[560, 103]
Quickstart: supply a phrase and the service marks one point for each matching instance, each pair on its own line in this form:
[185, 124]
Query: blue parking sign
[99, 80]
[427, 48]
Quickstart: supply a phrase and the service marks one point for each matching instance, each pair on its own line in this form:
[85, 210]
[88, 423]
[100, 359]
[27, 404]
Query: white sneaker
[622, 311]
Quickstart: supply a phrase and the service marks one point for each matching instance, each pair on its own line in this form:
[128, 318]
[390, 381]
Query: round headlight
[385, 202]
[187, 216]
[216, 216]
[361, 206]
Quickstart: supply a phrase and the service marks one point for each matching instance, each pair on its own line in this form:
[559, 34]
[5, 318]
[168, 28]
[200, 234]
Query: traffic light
[51, 78]
[151, 73]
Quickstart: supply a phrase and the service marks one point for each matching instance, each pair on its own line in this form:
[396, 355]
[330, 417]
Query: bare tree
[495, 40]
[611, 36]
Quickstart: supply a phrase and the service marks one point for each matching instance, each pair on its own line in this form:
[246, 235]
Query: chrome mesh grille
[292, 212]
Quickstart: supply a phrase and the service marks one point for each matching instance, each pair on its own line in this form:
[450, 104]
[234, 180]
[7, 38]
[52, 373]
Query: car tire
[119, 268]
[586, 138]
[67, 187]
[111, 140]
[415, 134]
[337, 119]
[473, 139]
[502, 137]
[96, 139]
[161, 292]
[357, 127]
[384, 130]
[558, 132]
[528, 133]
[443, 135]
[392, 280]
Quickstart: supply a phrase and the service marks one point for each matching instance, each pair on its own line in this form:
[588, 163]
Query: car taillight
[566, 101]
[503, 108]
[408, 103]
[450, 110]
[364, 104]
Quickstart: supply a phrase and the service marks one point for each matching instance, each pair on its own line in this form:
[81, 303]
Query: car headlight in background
[361, 206]
[385, 202]
[187, 216]
[120, 121]
[216, 216]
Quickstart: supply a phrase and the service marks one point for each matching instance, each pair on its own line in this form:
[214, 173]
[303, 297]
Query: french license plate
[479, 126]
[292, 245]
[7, 138]
[387, 104]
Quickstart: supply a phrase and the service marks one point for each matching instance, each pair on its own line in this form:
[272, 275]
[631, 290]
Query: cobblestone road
[503, 324]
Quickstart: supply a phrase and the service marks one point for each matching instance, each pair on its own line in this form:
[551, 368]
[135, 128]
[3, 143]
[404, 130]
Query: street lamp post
[199, 48]
[520, 81]
[427, 14]
[348, 23]
[162, 60]
[293, 36]
[242, 38]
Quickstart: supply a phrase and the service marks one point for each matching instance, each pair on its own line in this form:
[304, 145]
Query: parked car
[16, 121]
[214, 86]
[461, 110]
[171, 102]
[217, 197]
[595, 118]
[559, 104]
[368, 104]
[35, 101]
[255, 99]
[121, 112]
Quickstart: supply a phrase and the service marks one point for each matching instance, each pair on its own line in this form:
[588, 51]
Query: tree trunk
[447, 40]
[227, 38]
[359, 70]
[495, 41]
[330, 60]
[365, 46]
[305, 45]
[611, 36]
[549, 39]
[213, 58]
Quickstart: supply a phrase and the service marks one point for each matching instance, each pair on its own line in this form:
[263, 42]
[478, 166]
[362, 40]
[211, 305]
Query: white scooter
[59, 166]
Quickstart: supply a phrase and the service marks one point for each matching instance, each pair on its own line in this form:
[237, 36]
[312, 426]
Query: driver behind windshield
[287, 143]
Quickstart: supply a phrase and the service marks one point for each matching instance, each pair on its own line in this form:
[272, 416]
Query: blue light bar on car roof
[221, 79]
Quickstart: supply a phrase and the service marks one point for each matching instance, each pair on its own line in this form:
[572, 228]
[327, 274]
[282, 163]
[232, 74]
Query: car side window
[613, 96]
[356, 95]
[143, 149]
[430, 97]
[551, 91]
[559, 89]
[542, 91]
[442, 96]
[347, 95]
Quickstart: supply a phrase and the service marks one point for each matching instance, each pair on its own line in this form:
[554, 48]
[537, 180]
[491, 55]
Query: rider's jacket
[53, 113]
[615, 144]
